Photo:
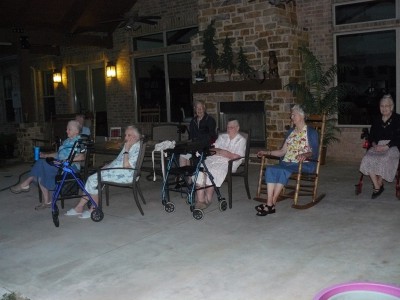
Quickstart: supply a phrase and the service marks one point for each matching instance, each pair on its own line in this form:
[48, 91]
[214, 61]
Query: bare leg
[183, 162]
[277, 191]
[209, 193]
[274, 190]
[26, 182]
[376, 181]
[45, 195]
[79, 207]
[200, 195]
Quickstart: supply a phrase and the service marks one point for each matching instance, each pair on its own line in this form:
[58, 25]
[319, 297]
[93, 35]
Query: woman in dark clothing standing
[202, 129]
[382, 159]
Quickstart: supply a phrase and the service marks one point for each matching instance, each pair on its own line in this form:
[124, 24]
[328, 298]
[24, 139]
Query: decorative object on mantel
[226, 58]
[211, 57]
[243, 65]
[273, 65]
[259, 75]
[199, 76]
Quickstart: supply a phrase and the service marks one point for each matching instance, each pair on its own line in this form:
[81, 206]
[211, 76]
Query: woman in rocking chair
[301, 143]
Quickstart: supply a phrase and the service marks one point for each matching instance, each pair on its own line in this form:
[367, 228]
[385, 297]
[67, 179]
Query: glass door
[90, 94]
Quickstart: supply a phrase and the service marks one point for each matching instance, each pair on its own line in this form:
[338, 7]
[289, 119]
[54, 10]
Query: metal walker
[183, 185]
[67, 174]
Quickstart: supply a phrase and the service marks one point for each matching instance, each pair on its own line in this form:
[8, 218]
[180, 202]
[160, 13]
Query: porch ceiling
[42, 26]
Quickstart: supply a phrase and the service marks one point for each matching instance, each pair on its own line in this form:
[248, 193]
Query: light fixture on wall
[57, 76]
[111, 70]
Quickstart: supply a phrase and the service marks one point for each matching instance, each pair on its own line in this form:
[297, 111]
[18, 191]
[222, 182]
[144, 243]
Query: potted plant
[226, 58]
[211, 60]
[318, 92]
[330, 137]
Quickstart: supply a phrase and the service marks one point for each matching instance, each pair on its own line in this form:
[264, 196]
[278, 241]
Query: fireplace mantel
[236, 86]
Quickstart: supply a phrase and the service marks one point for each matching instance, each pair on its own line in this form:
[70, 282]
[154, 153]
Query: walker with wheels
[184, 185]
[67, 173]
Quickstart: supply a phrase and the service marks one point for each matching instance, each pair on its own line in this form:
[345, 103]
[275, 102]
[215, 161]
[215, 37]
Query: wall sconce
[57, 76]
[111, 70]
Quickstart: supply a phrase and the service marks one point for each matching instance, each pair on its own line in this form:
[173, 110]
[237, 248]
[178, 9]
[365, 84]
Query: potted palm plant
[330, 137]
[318, 93]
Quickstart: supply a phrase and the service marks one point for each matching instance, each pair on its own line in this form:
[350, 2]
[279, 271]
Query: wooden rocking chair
[300, 184]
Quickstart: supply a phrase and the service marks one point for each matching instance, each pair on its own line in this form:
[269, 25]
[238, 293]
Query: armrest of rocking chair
[269, 156]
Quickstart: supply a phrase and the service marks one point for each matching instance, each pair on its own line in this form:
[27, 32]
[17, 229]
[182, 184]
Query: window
[147, 42]
[180, 36]
[48, 95]
[90, 94]
[365, 11]
[373, 73]
[164, 79]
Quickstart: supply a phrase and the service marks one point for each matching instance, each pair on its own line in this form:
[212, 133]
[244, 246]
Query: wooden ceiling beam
[54, 38]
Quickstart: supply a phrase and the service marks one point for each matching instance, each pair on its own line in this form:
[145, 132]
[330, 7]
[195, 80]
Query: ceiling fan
[131, 22]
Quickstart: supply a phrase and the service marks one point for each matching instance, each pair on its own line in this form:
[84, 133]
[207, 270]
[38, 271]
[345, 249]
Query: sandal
[260, 207]
[264, 212]
[43, 206]
[377, 192]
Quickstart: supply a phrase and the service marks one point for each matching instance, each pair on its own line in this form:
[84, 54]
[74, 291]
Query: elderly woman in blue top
[301, 143]
[44, 173]
[127, 159]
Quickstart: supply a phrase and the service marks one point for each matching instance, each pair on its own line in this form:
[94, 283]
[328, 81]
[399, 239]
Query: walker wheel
[169, 207]
[97, 215]
[198, 214]
[54, 214]
[223, 205]
[358, 188]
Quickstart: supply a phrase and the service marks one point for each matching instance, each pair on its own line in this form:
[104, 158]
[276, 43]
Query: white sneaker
[85, 215]
[72, 212]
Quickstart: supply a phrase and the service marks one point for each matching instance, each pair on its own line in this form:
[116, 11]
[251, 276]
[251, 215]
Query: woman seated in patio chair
[230, 145]
[44, 173]
[382, 159]
[126, 159]
[301, 143]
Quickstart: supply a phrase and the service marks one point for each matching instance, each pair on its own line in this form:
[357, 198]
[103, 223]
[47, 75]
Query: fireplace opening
[250, 114]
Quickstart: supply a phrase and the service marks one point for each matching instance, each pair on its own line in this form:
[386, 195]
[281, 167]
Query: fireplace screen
[250, 114]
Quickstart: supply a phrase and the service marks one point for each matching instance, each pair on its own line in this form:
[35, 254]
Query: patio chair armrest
[231, 161]
[116, 168]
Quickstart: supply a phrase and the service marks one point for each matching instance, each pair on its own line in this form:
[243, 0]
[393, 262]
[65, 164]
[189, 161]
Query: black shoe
[260, 207]
[376, 193]
[264, 212]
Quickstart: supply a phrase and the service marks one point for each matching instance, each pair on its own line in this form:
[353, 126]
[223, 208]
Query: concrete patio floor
[234, 254]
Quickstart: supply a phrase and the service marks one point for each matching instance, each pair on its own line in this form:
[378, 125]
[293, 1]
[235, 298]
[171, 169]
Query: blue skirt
[281, 172]
[45, 174]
